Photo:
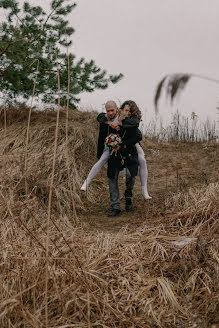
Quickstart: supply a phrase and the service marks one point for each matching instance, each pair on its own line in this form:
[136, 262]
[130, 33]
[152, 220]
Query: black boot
[114, 212]
[128, 204]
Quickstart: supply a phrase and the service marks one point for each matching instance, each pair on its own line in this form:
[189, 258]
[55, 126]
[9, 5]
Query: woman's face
[126, 110]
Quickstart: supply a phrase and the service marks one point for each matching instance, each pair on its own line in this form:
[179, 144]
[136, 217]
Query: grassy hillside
[157, 266]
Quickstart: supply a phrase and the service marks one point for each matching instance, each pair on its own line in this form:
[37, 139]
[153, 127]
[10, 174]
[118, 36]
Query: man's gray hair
[110, 103]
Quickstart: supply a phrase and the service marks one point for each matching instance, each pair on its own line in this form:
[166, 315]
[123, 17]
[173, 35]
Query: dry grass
[157, 269]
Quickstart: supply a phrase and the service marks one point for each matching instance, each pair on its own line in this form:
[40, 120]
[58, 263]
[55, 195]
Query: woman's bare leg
[143, 171]
[96, 169]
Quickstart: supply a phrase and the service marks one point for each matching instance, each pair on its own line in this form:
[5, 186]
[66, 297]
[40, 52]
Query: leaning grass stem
[28, 122]
[50, 195]
[5, 121]
[66, 140]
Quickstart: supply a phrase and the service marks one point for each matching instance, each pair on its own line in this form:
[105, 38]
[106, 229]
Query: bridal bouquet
[113, 141]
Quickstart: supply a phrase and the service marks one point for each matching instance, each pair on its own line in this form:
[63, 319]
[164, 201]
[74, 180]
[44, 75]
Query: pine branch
[48, 17]
[2, 72]
[4, 51]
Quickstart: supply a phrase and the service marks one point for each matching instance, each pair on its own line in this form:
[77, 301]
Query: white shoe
[84, 187]
[145, 193]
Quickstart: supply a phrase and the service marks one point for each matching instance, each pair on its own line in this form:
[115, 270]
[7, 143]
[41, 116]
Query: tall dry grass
[182, 128]
[81, 143]
[131, 279]
[161, 274]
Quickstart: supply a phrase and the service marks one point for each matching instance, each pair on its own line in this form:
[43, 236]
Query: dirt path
[144, 211]
[173, 168]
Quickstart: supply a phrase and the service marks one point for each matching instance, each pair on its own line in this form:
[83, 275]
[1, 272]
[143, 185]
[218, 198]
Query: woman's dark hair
[134, 110]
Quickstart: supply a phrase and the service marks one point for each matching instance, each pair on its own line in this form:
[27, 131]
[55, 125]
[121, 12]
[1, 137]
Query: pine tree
[30, 36]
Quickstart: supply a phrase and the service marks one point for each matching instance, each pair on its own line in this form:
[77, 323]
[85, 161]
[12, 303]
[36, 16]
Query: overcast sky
[145, 40]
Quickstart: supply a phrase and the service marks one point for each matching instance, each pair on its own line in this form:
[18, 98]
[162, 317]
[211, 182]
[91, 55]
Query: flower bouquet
[113, 141]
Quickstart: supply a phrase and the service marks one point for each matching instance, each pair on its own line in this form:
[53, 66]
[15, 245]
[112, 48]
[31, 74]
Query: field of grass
[64, 263]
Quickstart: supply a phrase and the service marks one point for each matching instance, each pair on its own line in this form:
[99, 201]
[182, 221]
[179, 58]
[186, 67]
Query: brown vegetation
[157, 266]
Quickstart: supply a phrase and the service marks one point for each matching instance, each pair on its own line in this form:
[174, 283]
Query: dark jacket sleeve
[133, 136]
[101, 118]
[130, 122]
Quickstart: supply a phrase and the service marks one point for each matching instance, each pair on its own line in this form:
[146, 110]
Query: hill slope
[154, 267]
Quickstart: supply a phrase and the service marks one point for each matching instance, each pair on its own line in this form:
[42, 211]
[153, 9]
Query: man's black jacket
[127, 155]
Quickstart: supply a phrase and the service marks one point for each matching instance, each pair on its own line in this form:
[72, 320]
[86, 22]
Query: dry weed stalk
[50, 195]
[28, 121]
[66, 135]
[5, 120]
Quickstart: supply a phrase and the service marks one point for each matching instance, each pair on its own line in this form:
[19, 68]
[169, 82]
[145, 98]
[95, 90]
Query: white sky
[145, 40]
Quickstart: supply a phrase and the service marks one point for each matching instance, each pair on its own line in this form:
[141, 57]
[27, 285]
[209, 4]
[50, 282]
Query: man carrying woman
[125, 123]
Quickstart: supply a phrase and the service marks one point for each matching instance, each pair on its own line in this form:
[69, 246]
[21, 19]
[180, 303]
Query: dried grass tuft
[37, 173]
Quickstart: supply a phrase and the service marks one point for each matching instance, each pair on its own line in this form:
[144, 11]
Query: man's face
[111, 111]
